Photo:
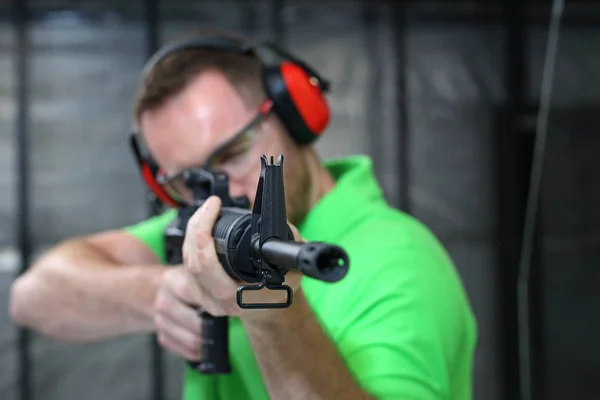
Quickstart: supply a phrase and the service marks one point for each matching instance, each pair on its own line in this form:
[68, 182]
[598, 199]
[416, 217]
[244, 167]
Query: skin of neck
[321, 181]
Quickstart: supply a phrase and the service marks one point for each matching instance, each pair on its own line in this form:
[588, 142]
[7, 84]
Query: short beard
[299, 195]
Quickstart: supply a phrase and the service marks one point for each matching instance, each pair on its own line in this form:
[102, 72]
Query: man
[398, 326]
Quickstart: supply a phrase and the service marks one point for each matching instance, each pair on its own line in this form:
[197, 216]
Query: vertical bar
[531, 284]
[278, 22]
[400, 34]
[21, 49]
[152, 26]
[250, 18]
[157, 386]
[374, 53]
[532, 375]
[512, 197]
[152, 43]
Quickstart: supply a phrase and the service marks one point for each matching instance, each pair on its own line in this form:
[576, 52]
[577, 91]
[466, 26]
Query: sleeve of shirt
[405, 327]
[151, 232]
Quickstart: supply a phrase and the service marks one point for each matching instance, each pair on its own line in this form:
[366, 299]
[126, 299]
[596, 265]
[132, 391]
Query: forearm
[74, 293]
[297, 359]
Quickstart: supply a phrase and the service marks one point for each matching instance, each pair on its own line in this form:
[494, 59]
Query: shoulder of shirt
[152, 225]
[389, 230]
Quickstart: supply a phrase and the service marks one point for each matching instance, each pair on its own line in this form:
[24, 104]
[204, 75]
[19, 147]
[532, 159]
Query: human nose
[236, 189]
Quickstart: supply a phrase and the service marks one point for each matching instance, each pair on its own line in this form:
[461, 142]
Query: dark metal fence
[510, 154]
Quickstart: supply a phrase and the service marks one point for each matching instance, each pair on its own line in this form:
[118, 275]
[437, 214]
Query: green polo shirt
[400, 318]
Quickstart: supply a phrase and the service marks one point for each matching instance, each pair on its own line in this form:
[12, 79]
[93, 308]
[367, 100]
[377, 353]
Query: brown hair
[176, 71]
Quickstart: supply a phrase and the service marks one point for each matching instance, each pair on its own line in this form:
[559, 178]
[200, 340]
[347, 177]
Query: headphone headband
[323, 84]
[208, 42]
[227, 44]
[295, 88]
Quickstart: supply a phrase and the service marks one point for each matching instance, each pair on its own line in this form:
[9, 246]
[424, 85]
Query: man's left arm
[297, 359]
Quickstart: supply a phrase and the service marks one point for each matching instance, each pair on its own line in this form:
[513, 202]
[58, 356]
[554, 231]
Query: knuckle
[161, 303]
[161, 339]
[223, 310]
[200, 238]
[223, 294]
[159, 322]
[204, 240]
[195, 264]
[171, 274]
[197, 328]
[232, 309]
[169, 277]
[194, 355]
[181, 284]
[194, 323]
[213, 309]
[195, 343]
[203, 257]
[209, 308]
[219, 312]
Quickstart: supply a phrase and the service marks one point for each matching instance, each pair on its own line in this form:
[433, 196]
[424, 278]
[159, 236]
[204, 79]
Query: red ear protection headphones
[296, 89]
[295, 93]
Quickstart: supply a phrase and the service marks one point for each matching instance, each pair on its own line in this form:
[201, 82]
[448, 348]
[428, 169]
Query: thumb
[205, 217]
[296, 232]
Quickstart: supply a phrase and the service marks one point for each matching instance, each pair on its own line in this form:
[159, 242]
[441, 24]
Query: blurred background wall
[443, 95]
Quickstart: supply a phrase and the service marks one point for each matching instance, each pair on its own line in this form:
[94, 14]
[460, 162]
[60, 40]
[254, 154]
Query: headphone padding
[306, 95]
[300, 105]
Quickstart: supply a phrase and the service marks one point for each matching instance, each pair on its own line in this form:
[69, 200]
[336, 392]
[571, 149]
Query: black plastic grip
[214, 357]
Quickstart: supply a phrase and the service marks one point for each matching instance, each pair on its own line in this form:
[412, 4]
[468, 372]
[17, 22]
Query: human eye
[234, 152]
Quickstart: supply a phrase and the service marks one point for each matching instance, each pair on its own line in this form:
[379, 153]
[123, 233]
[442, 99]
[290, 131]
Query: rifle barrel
[317, 260]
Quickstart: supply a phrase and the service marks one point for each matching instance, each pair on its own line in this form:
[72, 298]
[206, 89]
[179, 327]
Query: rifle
[252, 246]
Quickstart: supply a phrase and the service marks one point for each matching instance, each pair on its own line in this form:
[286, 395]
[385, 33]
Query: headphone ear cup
[148, 171]
[297, 100]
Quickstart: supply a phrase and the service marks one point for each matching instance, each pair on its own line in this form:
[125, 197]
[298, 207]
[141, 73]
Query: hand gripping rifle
[252, 246]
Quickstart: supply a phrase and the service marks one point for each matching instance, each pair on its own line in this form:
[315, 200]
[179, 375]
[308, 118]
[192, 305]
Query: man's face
[185, 131]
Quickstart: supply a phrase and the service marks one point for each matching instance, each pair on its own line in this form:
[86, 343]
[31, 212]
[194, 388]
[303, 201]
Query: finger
[176, 347]
[203, 220]
[221, 308]
[181, 299]
[201, 257]
[207, 270]
[178, 310]
[186, 339]
[199, 250]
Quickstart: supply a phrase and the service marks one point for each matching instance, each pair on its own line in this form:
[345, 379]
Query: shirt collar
[355, 194]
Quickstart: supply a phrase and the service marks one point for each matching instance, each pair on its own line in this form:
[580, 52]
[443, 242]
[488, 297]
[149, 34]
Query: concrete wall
[84, 179]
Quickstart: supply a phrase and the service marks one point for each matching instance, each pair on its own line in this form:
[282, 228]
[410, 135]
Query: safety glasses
[171, 189]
